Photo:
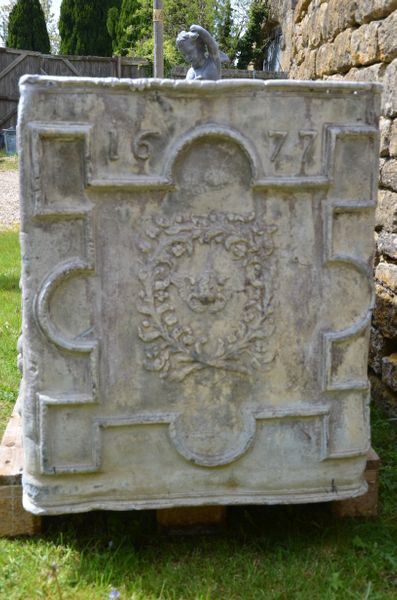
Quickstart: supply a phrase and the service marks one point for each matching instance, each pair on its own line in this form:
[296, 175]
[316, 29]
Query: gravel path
[9, 199]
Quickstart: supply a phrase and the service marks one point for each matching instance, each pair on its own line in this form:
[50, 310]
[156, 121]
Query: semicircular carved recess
[63, 272]
[211, 131]
[242, 442]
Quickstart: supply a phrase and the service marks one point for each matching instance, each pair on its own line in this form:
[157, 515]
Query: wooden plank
[8, 116]
[9, 98]
[191, 520]
[11, 454]
[67, 62]
[42, 70]
[12, 65]
[14, 519]
[367, 504]
[26, 52]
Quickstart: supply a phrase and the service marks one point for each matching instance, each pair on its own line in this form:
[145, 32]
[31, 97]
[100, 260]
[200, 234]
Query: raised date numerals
[306, 139]
[141, 145]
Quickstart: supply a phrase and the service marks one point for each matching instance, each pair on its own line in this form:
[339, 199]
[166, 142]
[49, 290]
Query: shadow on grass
[273, 552]
[9, 283]
[260, 548]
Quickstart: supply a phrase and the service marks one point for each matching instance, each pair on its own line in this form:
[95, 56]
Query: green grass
[272, 553]
[10, 322]
[8, 163]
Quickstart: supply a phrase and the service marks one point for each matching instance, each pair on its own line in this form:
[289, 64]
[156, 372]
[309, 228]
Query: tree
[251, 44]
[82, 26]
[26, 27]
[131, 27]
[180, 14]
[224, 28]
[5, 10]
[111, 25]
[52, 26]
[126, 24]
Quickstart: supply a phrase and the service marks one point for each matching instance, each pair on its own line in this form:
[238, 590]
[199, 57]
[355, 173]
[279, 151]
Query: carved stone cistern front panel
[185, 338]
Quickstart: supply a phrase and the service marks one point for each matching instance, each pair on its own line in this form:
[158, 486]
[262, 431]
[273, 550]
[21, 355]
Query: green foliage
[131, 27]
[134, 32]
[52, 26]
[83, 27]
[27, 28]
[224, 27]
[111, 25]
[5, 10]
[10, 322]
[145, 49]
[180, 14]
[126, 25]
[250, 47]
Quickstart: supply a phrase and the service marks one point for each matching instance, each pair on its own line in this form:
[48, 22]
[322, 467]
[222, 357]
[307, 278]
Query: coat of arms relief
[206, 294]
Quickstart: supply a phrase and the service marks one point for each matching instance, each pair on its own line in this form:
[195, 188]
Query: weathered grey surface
[201, 50]
[196, 291]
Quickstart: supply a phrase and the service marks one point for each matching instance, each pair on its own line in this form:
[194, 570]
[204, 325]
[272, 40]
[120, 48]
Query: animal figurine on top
[201, 50]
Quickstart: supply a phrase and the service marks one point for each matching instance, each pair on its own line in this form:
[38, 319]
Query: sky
[55, 6]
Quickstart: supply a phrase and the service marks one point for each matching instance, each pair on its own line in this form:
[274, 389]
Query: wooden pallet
[15, 520]
[366, 505]
[191, 520]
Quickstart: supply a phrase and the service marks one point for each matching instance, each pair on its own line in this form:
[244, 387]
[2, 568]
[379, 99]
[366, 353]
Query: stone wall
[357, 40]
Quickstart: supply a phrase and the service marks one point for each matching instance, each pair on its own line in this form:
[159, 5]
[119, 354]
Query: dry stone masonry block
[197, 291]
[389, 371]
[369, 10]
[386, 211]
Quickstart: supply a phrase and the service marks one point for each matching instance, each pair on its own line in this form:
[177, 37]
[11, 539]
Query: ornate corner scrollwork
[172, 347]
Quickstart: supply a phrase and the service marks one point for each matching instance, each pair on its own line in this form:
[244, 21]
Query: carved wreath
[171, 347]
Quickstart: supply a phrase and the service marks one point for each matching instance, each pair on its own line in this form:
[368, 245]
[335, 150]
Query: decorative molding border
[47, 403]
[331, 134]
[74, 266]
[363, 450]
[78, 266]
[164, 180]
[321, 412]
[362, 326]
[62, 132]
[58, 276]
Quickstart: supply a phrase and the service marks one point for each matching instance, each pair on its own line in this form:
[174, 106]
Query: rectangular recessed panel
[196, 291]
